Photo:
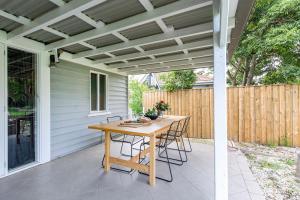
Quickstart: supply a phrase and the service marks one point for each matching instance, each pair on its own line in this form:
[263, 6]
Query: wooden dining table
[152, 130]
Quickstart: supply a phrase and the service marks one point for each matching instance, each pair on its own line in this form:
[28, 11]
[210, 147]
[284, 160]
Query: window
[98, 92]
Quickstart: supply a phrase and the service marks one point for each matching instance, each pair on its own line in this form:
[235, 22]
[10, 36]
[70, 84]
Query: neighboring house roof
[154, 80]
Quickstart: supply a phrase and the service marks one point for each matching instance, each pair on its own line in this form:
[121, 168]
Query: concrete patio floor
[79, 177]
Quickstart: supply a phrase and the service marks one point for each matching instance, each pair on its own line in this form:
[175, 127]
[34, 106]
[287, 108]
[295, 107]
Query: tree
[270, 45]
[175, 80]
[136, 91]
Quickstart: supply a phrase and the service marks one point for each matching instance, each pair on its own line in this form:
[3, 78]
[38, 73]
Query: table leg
[152, 174]
[107, 151]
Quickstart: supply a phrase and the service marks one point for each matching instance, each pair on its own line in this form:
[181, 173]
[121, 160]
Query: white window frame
[99, 112]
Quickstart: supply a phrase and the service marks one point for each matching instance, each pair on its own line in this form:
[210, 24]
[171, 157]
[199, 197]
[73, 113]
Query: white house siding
[70, 105]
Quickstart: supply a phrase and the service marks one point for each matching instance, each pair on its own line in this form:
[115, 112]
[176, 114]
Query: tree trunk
[231, 78]
[251, 71]
[246, 72]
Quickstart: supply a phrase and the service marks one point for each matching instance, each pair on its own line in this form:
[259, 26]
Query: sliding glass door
[2, 111]
[21, 107]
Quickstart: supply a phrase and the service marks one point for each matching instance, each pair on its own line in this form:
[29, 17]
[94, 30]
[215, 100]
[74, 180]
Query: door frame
[2, 111]
[42, 108]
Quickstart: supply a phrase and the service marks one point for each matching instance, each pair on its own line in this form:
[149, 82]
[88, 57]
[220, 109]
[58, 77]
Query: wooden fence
[258, 114]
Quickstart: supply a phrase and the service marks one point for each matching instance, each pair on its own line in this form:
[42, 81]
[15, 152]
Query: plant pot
[152, 117]
[160, 113]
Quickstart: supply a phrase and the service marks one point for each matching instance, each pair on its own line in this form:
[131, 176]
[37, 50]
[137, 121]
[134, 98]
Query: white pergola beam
[87, 45]
[72, 8]
[143, 18]
[164, 69]
[163, 26]
[198, 29]
[224, 11]
[89, 20]
[20, 19]
[170, 64]
[58, 2]
[202, 53]
[220, 102]
[147, 4]
[120, 36]
[203, 43]
[86, 62]
[55, 32]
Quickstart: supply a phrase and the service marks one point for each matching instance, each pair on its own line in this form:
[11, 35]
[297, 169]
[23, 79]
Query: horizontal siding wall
[70, 105]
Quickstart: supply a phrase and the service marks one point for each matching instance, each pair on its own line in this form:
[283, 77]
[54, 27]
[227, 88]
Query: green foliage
[269, 49]
[151, 112]
[162, 106]
[136, 96]
[176, 80]
[269, 165]
[290, 162]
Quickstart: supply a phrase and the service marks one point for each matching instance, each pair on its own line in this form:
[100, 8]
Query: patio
[79, 176]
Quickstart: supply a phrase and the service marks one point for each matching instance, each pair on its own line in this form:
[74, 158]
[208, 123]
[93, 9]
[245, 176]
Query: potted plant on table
[151, 113]
[161, 106]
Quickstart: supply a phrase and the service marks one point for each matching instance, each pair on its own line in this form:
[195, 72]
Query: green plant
[290, 162]
[150, 112]
[269, 165]
[136, 91]
[269, 50]
[161, 106]
[250, 156]
[176, 80]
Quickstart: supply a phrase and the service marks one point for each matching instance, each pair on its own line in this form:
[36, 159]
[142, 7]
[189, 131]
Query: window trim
[98, 112]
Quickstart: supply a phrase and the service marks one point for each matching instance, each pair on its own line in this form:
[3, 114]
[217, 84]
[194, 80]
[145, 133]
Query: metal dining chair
[123, 139]
[163, 141]
[182, 130]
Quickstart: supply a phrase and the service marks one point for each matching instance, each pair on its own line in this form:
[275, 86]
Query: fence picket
[261, 114]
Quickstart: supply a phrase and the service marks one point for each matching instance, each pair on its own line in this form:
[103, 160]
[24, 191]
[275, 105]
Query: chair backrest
[173, 130]
[182, 126]
[186, 125]
[114, 118]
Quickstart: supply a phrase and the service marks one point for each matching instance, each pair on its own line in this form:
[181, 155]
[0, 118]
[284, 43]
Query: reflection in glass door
[21, 90]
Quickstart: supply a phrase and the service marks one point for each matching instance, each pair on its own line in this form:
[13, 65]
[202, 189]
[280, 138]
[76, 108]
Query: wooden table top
[157, 126]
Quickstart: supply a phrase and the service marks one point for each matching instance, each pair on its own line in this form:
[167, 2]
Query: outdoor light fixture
[54, 58]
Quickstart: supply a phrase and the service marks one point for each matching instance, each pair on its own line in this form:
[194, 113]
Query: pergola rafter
[197, 54]
[168, 64]
[143, 18]
[174, 68]
[193, 45]
[56, 15]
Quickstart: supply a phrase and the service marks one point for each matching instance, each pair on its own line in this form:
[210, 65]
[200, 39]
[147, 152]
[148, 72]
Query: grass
[290, 162]
[250, 156]
[269, 165]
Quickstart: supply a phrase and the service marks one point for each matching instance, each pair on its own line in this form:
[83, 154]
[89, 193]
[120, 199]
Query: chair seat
[129, 139]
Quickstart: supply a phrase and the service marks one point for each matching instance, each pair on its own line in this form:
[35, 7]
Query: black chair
[123, 139]
[163, 141]
[185, 132]
[178, 135]
[182, 130]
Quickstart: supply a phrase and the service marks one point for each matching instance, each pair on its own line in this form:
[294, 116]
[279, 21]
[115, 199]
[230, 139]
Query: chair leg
[169, 166]
[190, 150]
[181, 161]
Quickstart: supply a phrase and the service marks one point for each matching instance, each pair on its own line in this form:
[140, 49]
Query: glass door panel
[21, 90]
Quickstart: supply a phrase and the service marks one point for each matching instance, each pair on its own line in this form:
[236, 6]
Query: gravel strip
[274, 169]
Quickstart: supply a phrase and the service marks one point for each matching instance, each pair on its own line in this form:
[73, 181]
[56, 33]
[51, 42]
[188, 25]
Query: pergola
[136, 37]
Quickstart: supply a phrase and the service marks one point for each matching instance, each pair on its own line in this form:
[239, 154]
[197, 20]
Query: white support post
[44, 108]
[220, 103]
